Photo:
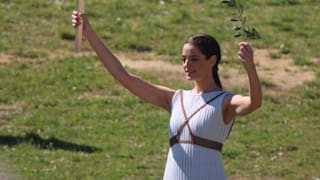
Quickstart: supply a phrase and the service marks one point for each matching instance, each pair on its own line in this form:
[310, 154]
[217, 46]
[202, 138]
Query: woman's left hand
[245, 53]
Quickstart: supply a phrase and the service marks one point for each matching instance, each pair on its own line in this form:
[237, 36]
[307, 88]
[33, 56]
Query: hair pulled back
[208, 46]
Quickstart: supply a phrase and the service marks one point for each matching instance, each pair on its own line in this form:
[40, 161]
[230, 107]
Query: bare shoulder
[239, 105]
[166, 88]
[167, 94]
[234, 100]
[168, 91]
[238, 99]
[227, 100]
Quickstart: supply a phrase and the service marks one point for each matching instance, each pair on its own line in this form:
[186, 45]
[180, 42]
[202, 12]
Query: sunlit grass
[66, 118]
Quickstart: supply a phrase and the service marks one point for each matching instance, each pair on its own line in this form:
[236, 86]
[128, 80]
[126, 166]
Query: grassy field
[64, 117]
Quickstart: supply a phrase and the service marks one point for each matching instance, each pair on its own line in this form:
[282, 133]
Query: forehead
[189, 49]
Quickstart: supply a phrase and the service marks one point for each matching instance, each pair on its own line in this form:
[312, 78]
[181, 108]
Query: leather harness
[195, 139]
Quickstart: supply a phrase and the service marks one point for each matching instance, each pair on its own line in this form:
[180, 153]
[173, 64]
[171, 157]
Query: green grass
[66, 118]
[69, 123]
[33, 27]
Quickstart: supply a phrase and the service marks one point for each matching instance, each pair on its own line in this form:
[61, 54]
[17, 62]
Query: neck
[203, 87]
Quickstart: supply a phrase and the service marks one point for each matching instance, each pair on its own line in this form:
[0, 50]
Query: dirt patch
[315, 61]
[282, 71]
[153, 64]
[5, 58]
[277, 75]
[6, 172]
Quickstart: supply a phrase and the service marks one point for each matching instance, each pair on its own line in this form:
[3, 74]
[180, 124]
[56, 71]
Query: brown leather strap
[187, 119]
[194, 139]
[198, 141]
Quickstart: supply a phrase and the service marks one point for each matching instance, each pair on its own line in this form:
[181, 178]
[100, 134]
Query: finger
[244, 51]
[244, 55]
[83, 17]
[75, 22]
[243, 58]
[243, 43]
[74, 16]
[242, 48]
[248, 52]
[246, 46]
[74, 19]
[75, 12]
[240, 53]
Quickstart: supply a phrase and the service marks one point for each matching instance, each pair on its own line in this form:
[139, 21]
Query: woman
[201, 118]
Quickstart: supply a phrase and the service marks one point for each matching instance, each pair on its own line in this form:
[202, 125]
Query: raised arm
[157, 95]
[242, 105]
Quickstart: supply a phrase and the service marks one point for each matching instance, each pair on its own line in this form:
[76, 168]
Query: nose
[186, 62]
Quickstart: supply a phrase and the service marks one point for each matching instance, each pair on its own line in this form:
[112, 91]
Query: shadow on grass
[50, 144]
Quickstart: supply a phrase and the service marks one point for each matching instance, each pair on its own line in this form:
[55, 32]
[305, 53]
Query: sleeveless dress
[187, 161]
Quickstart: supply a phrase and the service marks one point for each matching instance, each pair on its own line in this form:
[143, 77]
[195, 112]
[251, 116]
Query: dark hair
[209, 46]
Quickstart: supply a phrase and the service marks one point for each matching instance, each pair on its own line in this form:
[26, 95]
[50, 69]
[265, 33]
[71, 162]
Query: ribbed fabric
[190, 161]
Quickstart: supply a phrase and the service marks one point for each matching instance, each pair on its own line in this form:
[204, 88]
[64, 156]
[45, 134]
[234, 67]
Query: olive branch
[240, 19]
[241, 29]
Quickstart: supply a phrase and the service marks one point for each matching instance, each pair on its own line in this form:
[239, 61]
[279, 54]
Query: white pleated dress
[191, 161]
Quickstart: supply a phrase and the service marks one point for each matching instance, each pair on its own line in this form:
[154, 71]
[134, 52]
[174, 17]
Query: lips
[189, 72]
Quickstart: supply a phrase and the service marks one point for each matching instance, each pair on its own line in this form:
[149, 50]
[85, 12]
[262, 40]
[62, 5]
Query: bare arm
[157, 95]
[242, 105]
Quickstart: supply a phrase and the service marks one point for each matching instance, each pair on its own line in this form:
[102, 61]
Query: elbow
[256, 105]
[121, 76]
[249, 108]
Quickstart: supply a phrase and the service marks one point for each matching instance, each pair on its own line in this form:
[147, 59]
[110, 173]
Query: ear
[213, 60]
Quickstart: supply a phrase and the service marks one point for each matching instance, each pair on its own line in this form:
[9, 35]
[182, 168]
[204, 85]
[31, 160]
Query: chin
[189, 78]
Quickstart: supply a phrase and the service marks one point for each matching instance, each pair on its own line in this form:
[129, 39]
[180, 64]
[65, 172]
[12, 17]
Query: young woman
[201, 118]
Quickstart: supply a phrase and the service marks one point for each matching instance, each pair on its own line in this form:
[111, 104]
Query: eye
[194, 59]
[183, 58]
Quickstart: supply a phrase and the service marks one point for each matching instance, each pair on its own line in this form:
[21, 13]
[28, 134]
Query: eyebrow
[192, 56]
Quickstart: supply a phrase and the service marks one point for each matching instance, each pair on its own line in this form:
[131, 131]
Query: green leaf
[244, 20]
[229, 3]
[241, 10]
[237, 35]
[226, 1]
[234, 2]
[237, 28]
[234, 19]
[256, 33]
[239, 17]
[253, 34]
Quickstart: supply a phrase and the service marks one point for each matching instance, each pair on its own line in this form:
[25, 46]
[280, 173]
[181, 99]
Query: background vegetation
[64, 117]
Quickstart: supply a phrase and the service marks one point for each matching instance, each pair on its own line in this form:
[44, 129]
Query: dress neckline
[203, 93]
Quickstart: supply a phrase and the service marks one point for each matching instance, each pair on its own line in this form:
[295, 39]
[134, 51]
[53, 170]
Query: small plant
[241, 29]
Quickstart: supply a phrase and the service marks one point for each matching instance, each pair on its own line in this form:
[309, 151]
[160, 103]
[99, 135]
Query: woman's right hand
[78, 19]
[75, 19]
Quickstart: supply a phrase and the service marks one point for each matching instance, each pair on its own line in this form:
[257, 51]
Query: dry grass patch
[8, 110]
[5, 58]
[278, 75]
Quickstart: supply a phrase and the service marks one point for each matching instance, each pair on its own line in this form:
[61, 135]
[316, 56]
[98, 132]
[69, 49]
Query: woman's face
[195, 64]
